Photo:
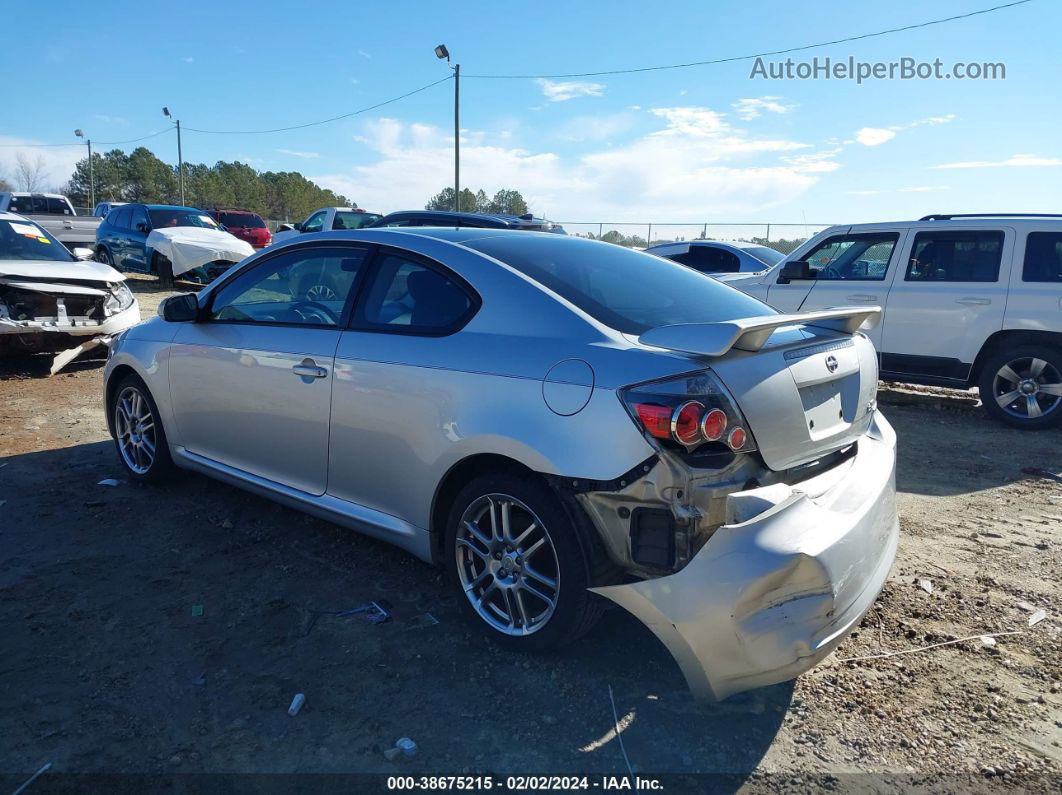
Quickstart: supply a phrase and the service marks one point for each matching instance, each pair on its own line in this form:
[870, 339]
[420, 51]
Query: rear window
[768, 256]
[242, 220]
[956, 256]
[179, 216]
[350, 220]
[627, 290]
[1043, 257]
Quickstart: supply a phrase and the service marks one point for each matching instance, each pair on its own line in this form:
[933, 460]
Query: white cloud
[294, 153]
[1014, 161]
[560, 91]
[596, 127]
[354, 80]
[874, 136]
[364, 54]
[124, 122]
[188, 59]
[58, 161]
[912, 189]
[815, 162]
[692, 165]
[752, 107]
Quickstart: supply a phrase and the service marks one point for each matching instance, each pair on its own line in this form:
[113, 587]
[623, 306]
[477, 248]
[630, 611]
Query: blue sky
[696, 144]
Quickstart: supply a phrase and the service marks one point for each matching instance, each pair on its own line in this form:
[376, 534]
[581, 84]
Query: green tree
[150, 180]
[504, 201]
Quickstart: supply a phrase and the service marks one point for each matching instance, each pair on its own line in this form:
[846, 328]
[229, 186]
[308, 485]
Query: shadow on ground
[165, 630]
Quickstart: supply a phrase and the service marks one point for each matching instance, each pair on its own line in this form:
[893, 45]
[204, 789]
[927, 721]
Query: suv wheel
[163, 268]
[138, 434]
[1022, 386]
[517, 564]
[104, 256]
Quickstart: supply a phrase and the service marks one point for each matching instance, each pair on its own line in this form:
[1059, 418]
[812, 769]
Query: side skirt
[370, 522]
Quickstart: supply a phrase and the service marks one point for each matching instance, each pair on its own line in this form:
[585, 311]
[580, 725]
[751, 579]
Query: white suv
[968, 300]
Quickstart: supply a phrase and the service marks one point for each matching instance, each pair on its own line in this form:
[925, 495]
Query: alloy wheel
[134, 426]
[1028, 388]
[507, 564]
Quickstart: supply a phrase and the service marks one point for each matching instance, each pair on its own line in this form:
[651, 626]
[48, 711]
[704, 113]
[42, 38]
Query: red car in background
[245, 225]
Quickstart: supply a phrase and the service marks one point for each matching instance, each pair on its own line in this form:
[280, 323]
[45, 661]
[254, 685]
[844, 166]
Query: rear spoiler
[750, 333]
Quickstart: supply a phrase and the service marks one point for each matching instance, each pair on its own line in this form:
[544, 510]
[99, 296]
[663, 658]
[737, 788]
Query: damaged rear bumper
[776, 588]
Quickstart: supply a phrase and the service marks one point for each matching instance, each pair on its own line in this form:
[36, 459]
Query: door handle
[309, 369]
[974, 301]
[861, 298]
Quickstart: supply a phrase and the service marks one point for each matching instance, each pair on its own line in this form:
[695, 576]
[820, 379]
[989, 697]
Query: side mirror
[797, 269]
[83, 253]
[297, 227]
[182, 308]
[142, 227]
[287, 228]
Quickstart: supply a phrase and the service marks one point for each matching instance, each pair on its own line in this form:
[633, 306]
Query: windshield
[768, 256]
[180, 216]
[242, 221]
[26, 240]
[627, 290]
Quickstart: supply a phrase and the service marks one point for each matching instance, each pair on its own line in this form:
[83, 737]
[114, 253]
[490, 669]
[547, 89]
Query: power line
[755, 55]
[324, 121]
[98, 143]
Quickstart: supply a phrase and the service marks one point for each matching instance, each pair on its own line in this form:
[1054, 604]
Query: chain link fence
[780, 237]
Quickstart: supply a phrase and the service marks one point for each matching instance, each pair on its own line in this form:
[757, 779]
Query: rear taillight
[690, 412]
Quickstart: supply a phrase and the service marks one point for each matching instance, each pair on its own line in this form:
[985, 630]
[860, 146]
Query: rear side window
[409, 296]
[709, 259]
[120, 217]
[351, 220]
[58, 206]
[241, 220]
[860, 257]
[627, 290]
[20, 204]
[1043, 257]
[955, 257]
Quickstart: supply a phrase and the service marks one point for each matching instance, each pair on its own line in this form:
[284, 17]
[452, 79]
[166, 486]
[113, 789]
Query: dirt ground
[163, 631]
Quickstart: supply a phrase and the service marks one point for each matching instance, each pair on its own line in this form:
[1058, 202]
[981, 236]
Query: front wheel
[1022, 386]
[163, 268]
[138, 434]
[518, 565]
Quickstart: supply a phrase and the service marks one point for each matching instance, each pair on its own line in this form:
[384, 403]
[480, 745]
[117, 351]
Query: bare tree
[29, 172]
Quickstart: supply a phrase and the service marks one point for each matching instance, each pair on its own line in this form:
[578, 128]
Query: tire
[1032, 375]
[132, 399]
[104, 256]
[559, 550]
[163, 267]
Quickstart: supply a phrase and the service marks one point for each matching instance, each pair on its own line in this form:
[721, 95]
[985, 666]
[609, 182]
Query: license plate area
[823, 409]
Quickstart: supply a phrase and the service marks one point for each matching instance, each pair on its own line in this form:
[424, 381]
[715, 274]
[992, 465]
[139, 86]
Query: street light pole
[92, 181]
[442, 52]
[180, 157]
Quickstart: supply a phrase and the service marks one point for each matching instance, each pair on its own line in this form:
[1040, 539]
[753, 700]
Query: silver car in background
[551, 419]
[719, 256]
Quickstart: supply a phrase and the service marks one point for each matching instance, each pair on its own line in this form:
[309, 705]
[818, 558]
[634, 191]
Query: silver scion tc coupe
[551, 419]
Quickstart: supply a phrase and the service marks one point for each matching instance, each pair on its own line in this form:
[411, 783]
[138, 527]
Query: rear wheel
[518, 565]
[1022, 386]
[163, 268]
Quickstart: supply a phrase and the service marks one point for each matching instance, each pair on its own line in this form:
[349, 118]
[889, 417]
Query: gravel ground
[164, 630]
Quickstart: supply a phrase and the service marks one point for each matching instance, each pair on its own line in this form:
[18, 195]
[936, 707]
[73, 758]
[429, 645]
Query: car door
[116, 240]
[1035, 298]
[251, 384]
[136, 239]
[855, 269]
[787, 295]
[392, 401]
[949, 299]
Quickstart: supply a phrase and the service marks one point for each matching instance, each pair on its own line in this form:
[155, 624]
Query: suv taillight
[689, 412]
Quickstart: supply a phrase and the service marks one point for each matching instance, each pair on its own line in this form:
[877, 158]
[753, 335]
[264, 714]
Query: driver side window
[314, 223]
[307, 287]
[862, 257]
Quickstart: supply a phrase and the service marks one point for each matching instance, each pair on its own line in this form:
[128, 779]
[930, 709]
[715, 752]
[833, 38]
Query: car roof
[172, 207]
[500, 218]
[6, 216]
[743, 244]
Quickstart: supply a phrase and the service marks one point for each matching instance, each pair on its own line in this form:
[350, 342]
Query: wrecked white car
[54, 302]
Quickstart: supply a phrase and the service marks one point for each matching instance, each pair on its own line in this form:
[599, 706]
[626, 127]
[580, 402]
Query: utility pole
[180, 156]
[442, 52]
[92, 181]
[457, 138]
